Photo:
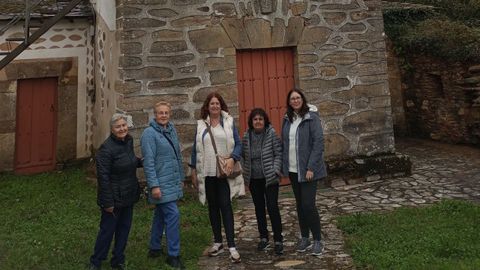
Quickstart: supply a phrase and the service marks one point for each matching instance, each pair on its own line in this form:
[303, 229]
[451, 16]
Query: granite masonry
[180, 50]
[441, 100]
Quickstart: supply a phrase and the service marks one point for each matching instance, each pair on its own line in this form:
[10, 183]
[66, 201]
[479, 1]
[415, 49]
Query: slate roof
[45, 8]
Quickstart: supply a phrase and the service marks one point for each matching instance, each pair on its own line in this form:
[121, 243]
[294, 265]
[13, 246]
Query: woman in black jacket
[118, 190]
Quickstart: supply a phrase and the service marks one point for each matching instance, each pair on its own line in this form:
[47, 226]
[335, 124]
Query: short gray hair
[116, 117]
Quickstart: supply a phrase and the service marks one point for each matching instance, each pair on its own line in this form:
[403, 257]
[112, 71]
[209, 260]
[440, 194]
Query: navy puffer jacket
[116, 173]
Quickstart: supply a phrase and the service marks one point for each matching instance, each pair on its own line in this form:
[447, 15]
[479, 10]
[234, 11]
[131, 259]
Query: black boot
[154, 253]
[174, 261]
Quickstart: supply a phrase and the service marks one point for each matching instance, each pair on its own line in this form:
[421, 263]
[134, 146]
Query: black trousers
[116, 224]
[260, 195]
[307, 212]
[217, 192]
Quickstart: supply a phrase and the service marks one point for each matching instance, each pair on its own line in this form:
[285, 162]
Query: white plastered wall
[106, 9]
[65, 39]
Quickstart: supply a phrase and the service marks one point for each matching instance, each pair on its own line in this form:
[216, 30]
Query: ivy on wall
[447, 29]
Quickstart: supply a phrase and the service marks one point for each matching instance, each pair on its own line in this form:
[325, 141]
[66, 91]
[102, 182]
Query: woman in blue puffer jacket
[164, 172]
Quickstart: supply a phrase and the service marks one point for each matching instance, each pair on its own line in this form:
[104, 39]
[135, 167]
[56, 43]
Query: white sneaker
[215, 250]
[234, 255]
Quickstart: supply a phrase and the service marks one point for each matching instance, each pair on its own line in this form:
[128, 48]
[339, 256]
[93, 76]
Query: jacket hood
[311, 108]
[160, 128]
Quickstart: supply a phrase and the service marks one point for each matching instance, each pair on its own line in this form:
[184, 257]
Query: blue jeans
[166, 216]
[113, 224]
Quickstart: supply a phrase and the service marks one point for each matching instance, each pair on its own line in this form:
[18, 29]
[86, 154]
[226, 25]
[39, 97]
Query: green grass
[442, 236]
[50, 221]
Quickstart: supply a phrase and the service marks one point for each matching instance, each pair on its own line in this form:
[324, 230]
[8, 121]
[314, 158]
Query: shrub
[449, 29]
[443, 38]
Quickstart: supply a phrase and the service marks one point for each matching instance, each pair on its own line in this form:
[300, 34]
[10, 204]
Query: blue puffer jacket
[310, 146]
[162, 161]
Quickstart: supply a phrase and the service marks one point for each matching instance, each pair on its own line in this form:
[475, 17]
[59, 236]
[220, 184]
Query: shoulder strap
[212, 138]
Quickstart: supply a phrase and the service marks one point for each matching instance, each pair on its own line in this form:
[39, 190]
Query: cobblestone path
[439, 171]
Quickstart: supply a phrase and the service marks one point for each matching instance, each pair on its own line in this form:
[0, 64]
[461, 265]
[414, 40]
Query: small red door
[264, 79]
[36, 125]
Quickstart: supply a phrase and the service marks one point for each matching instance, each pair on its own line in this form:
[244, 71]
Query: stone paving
[439, 171]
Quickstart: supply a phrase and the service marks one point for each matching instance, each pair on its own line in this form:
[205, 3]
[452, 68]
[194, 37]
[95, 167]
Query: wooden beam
[37, 34]
[26, 28]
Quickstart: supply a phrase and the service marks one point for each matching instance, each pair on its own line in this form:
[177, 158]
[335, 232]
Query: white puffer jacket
[237, 186]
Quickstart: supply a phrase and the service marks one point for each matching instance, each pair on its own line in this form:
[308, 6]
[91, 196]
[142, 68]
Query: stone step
[474, 69]
[470, 80]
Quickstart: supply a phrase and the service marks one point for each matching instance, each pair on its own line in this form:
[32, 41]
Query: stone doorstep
[357, 170]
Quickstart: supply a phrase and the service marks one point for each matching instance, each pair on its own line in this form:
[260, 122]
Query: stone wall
[180, 50]
[442, 100]
[396, 91]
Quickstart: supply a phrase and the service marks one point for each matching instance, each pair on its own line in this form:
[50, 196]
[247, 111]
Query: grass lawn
[50, 221]
[445, 235]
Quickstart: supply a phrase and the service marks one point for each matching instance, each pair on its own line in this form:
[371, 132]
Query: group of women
[264, 158]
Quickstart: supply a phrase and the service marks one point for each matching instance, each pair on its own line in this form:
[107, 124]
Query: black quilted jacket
[271, 156]
[116, 173]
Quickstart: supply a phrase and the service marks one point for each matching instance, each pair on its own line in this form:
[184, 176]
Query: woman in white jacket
[217, 191]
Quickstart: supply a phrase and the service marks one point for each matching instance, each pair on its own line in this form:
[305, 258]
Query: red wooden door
[36, 125]
[264, 78]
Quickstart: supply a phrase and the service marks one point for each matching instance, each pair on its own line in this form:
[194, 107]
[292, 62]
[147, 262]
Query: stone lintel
[237, 33]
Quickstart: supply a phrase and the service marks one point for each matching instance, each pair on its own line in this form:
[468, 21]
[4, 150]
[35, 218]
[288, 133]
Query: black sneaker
[174, 262]
[92, 266]
[154, 253]
[263, 244]
[278, 248]
[119, 267]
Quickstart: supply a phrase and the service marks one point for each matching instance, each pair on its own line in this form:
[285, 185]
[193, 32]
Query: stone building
[252, 52]
[52, 124]
[432, 97]
[180, 50]
[442, 100]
